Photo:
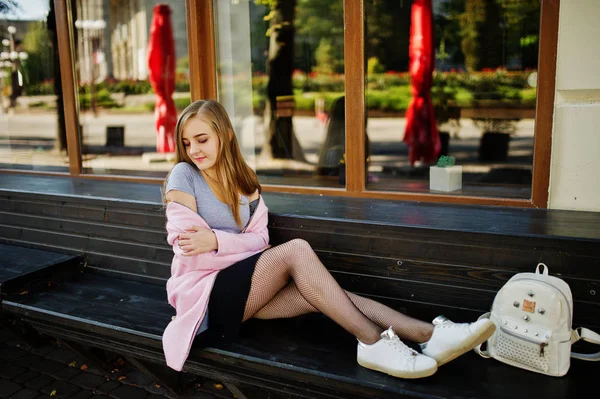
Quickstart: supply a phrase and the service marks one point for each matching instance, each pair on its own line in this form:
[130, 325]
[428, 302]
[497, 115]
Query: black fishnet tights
[313, 289]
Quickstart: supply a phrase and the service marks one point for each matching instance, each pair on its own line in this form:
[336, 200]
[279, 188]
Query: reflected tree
[61, 133]
[8, 5]
[281, 141]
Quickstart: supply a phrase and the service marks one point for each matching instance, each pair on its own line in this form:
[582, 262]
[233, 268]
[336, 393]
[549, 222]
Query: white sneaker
[391, 356]
[450, 340]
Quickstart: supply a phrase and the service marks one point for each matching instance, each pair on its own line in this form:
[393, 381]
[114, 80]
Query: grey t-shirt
[185, 177]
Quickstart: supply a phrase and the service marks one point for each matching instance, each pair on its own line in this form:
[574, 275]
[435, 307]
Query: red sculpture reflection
[161, 67]
[421, 132]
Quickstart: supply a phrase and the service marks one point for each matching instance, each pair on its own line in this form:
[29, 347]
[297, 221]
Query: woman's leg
[295, 260]
[290, 303]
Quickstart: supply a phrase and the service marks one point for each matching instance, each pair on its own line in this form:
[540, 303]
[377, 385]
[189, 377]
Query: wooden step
[23, 270]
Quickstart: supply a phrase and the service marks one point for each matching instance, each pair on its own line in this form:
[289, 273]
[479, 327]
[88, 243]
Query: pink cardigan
[192, 277]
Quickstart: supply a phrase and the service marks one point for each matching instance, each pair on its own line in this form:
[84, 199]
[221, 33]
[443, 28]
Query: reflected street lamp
[11, 57]
[89, 39]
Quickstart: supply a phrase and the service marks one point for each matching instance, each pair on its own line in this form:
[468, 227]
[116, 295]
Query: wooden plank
[130, 258]
[544, 119]
[201, 49]
[24, 269]
[64, 33]
[88, 229]
[460, 276]
[354, 70]
[109, 213]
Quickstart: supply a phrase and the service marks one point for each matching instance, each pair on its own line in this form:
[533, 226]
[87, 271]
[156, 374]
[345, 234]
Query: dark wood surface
[471, 218]
[418, 258]
[20, 267]
[298, 351]
[421, 259]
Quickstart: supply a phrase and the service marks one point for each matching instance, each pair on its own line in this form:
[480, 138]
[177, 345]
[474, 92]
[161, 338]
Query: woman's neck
[211, 175]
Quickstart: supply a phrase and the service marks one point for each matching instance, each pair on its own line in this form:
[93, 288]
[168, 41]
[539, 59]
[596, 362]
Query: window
[476, 61]
[125, 52]
[280, 68]
[32, 132]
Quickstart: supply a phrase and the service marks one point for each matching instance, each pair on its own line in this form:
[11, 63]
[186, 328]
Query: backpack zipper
[557, 289]
[530, 340]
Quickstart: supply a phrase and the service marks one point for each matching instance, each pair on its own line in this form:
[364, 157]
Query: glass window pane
[280, 72]
[126, 51]
[474, 62]
[32, 134]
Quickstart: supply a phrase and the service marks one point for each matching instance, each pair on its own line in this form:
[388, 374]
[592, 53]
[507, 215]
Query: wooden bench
[422, 259]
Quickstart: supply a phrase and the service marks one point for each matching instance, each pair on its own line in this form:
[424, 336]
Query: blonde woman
[224, 271]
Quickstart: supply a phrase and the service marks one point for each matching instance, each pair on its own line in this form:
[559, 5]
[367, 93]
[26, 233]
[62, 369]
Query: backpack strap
[477, 349]
[544, 270]
[589, 336]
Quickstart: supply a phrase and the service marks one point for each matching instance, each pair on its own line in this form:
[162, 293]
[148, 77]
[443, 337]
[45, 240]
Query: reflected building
[112, 37]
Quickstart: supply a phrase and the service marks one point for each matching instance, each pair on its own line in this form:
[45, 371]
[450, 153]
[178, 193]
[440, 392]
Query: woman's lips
[200, 159]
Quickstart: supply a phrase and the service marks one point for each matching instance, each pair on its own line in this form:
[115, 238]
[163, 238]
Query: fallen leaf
[121, 378]
[72, 364]
[157, 385]
[218, 386]
[84, 367]
[53, 393]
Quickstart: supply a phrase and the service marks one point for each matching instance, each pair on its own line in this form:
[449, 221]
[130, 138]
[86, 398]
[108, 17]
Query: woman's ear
[230, 135]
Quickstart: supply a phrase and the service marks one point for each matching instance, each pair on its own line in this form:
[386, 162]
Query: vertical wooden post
[544, 108]
[64, 32]
[201, 49]
[354, 60]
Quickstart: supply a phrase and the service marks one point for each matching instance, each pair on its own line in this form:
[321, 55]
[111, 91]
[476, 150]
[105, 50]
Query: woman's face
[201, 143]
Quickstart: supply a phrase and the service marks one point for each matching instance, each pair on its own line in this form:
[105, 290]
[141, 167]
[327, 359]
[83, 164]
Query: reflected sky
[29, 10]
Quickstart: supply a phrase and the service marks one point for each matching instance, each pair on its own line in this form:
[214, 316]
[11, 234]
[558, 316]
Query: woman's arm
[182, 198]
[230, 243]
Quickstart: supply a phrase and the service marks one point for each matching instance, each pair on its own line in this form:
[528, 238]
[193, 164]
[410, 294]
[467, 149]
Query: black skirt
[227, 303]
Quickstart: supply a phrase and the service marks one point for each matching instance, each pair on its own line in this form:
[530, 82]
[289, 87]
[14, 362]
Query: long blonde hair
[232, 170]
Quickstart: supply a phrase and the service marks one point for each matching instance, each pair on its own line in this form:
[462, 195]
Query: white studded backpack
[533, 314]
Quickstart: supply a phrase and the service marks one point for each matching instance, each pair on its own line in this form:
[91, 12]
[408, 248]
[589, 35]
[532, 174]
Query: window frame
[203, 85]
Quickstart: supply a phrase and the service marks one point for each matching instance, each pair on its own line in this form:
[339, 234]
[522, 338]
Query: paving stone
[63, 355]
[26, 393]
[153, 396]
[198, 395]
[10, 353]
[39, 382]
[48, 366]
[83, 394]
[107, 387]
[8, 388]
[26, 376]
[29, 360]
[156, 388]
[66, 374]
[43, 350]
[6, 335]
[61, 389]
[10, 370]
[129, 392]
[138, 378]
[94, 370]
[88, 380]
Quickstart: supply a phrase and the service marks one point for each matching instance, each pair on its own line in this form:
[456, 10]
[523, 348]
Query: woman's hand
[197, 240]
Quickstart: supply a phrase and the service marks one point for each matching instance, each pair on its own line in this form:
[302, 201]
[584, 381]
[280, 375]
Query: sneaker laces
[392, 340]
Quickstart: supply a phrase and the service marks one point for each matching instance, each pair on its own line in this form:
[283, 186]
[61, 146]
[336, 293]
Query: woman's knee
[298, 244]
